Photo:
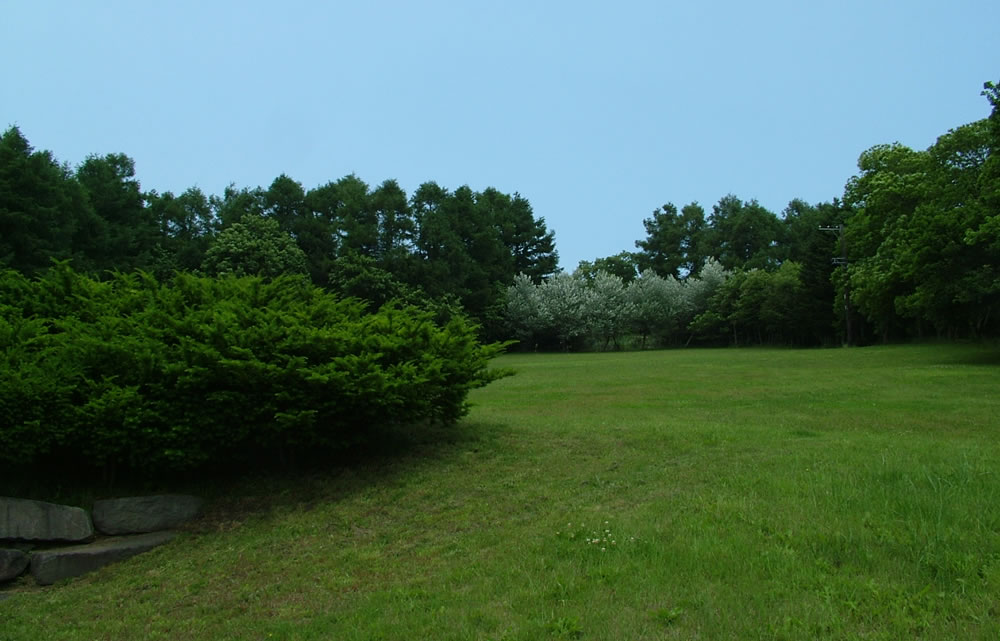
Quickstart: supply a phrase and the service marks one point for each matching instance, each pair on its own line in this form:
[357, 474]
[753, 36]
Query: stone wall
[55, 542]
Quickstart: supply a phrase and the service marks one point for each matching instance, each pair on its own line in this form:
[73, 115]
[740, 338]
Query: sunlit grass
[710, 494]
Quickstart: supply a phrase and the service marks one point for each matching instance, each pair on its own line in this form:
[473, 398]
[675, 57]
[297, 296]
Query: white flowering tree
[569, 309]
[701, 287]
[610, 312]
[707, 296]
[525, 314]
[555, 313]
[648, 297]
[657, 304]
[566, 300]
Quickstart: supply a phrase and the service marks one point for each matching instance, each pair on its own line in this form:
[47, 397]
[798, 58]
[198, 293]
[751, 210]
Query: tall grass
[696, 494]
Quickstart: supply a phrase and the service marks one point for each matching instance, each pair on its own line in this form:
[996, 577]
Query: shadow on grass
[235, 491]
[982, 354]
[234, 495]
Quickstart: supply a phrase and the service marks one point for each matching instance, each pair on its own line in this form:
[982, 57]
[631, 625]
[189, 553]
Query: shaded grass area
[761, 494]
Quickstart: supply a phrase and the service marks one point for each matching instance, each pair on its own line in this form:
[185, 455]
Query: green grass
[691, 494]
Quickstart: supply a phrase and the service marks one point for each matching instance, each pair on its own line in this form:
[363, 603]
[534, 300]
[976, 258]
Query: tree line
[459, 247]
[737, 275]
[923, 241]
[912, 250]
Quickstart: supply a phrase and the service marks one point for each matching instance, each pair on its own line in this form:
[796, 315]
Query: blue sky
[596, 112]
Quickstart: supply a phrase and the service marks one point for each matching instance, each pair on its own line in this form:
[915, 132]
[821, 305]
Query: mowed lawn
[687, 494]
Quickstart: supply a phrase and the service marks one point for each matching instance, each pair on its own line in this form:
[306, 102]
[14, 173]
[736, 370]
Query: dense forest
[459, 248]
[910, 250]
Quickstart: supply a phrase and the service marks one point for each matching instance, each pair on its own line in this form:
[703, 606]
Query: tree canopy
[441, 244]
[916, 246]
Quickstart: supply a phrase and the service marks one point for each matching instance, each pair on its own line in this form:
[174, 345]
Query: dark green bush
[135, 374]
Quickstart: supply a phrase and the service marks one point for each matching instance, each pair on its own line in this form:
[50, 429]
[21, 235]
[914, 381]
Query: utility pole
[842, 260]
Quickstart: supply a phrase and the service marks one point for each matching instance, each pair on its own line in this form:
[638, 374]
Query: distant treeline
[911, 250]
[459, 246]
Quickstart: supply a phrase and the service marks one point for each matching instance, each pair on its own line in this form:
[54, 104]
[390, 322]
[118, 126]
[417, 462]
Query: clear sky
[597, 112]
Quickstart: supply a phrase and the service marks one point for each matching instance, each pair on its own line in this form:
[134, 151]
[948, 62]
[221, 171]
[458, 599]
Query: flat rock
[50, 566]
[40, 521]
[12, 564]
[144, 513]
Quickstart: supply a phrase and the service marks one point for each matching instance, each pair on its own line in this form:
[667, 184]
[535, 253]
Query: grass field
[689, 494]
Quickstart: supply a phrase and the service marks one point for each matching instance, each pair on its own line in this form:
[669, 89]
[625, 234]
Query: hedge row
[131, 373]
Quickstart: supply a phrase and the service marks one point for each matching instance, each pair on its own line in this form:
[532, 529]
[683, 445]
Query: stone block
[144, 513]
[49, 566]
[40, 521]
[13, 563]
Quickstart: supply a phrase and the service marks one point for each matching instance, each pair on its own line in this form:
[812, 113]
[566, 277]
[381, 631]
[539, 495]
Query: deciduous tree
[744, 234]
[255, 246]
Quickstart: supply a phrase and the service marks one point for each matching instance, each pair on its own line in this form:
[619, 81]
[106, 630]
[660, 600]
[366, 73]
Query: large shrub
[137, 374]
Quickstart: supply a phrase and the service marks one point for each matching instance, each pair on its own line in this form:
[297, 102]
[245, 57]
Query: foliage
[744, 234]
[356, 276]
[610, 312]
[675, 243]
[525, 312]
[235, 203]
[658, 306]
[128, 231]
[187, 225]
[918, 257]
[451, 245]
[755, 307]
[739, 235]
[255, 246]
[701, 289]
[471, 245]
[624, 265]
[133, 374]
[810, 244]
[597, 309]
[531, 244]
[43, 210]
[568, 305]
